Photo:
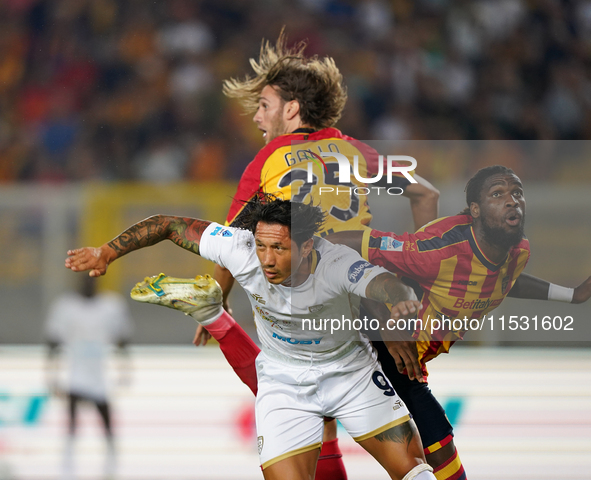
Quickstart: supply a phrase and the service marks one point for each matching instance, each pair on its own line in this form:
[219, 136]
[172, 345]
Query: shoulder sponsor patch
[221, 231]
[391, 244]
[357, 269]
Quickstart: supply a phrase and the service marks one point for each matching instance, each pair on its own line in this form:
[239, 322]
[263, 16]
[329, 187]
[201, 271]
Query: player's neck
[303, 128]
[302, 272]
[494, 253]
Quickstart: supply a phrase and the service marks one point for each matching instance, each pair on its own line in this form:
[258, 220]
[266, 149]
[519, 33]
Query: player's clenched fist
[89, 258]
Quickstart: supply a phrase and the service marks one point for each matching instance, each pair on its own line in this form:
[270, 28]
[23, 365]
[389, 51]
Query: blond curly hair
[315, 83]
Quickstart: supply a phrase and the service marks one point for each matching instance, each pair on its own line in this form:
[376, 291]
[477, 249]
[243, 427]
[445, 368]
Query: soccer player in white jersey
[303, 375]
[86, 325]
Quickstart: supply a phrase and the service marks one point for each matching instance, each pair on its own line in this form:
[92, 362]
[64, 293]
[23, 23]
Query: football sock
[238, 348]
[330, 464]
[451, 469]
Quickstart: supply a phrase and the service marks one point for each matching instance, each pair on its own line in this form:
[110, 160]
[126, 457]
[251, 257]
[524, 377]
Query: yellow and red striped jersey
[281, 167]
[456, 279]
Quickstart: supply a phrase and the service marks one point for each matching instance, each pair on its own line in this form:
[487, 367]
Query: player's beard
[277, 127]
[500, 237]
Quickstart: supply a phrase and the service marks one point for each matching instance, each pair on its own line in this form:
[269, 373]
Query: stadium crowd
[131, 90]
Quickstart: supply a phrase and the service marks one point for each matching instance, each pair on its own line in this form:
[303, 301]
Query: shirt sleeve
[399, 254]
[229, 247]
[354, 272]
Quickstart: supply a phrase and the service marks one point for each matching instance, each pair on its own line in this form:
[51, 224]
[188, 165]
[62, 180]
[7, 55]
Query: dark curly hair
[315, 83]
[303, 220]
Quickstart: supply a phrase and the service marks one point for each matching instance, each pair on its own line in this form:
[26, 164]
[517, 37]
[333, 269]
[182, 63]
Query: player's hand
[202, 336]
[582, 292]
[405, 355]
[88, 258]
[401, 345]
[405, 309]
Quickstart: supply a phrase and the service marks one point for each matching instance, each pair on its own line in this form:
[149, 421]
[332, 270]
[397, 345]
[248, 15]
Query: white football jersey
[290, 320]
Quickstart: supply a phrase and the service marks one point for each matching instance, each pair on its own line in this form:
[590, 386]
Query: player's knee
[422, 471]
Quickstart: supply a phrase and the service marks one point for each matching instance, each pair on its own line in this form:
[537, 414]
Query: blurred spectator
[86, 325]
[104, 78]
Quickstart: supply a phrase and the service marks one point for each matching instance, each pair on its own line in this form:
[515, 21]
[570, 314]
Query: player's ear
[474, 210]
[307, 247]
[291, 109]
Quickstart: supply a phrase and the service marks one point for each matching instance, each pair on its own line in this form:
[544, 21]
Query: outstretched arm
[528, 286]
[186, 232]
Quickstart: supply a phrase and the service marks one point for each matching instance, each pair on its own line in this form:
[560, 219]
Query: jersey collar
[480, 255]
[304, 130]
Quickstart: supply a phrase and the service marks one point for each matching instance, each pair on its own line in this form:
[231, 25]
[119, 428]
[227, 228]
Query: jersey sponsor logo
[280, 324]
[265, 315]
[478, 304]
[315, 308]
[465, 282]
[357, 269]
[221, 231]
[390, 244]
[258, 298]
[295, 341]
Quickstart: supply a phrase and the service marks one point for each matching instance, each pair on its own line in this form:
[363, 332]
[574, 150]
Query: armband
[560, 294]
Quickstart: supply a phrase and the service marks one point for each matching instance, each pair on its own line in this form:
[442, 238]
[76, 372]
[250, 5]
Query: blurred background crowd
[131, 90]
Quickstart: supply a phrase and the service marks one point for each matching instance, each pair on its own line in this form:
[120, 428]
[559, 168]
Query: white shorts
[292, 401]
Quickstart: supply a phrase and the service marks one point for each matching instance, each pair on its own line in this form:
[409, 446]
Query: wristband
[560, 294]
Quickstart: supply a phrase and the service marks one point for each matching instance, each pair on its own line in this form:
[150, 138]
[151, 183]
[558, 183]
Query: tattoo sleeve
[186, 232]
[386, 288]
[402, 433]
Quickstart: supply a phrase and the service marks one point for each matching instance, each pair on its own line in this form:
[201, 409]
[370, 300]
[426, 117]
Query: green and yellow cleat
[189, 295]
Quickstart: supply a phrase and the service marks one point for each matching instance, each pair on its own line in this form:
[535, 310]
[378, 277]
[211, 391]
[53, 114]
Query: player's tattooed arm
[184, 231]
